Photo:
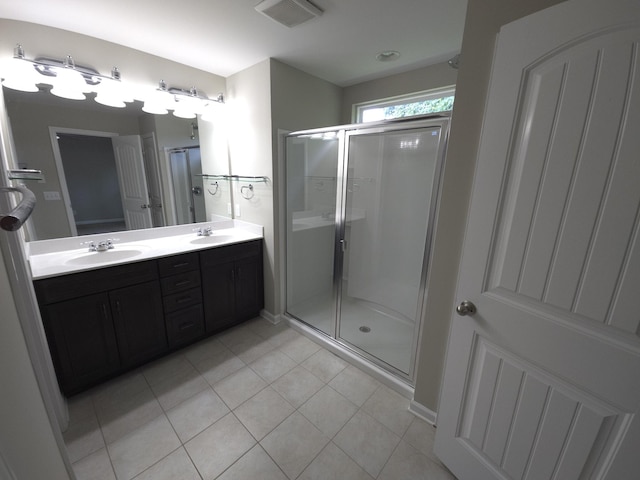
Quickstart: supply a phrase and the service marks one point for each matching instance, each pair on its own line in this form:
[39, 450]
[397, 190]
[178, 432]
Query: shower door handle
[343, 245]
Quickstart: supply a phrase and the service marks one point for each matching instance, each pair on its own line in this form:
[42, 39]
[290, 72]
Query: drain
[364, 329]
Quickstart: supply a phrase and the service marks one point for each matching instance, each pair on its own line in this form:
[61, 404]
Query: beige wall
[483, 21]
[426, 78]
[248, 113]
[27, 441]
[299, 101]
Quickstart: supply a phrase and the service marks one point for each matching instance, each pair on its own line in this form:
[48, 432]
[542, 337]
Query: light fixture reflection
[18, 73]
[69, 82]
[158, 101]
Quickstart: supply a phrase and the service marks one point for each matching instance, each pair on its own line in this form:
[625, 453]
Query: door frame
[57, 156]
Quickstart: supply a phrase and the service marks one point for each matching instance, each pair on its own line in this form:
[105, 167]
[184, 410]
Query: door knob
[466, 308]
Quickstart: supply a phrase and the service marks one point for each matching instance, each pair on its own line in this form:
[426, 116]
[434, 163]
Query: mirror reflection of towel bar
[13, 220]
[246, 191]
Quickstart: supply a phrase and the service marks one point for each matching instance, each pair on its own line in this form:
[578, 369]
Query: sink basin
[212, 239]
[94, 258]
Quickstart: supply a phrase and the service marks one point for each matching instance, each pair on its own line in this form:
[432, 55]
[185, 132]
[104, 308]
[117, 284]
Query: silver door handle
[145, 205]
[466, 308]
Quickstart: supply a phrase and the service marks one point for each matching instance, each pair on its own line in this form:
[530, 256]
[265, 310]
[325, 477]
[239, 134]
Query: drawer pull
[186, 325]
[183, 299]
[182, 283]
[180, 265]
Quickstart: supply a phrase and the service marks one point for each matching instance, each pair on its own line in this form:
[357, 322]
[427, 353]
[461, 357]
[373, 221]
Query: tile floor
[256, 402]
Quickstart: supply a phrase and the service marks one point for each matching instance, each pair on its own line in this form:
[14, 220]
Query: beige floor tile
[391, 409]
[175, 365]
[294, 444]
[299, 349]
[175, 466]
[421, 435]
[196, 414]
[110, 394]
[83, 437]
[142, 448]
[354, 384]
[129, 414]
[238, 336]
[203, 350]
[324, 365]
[96, 466]
[334, 464]
[239, 387]
[219, 446]
[328, 410]
[297, 386]
[367, 441]
[251, 351]
[174, 390]
[263, 412]
[220, 365]
[272, 365]
[284, 335]
[255, 464]
[407, 463]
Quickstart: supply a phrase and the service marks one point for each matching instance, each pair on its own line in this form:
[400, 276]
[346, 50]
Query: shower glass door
[388, 196]
[359, 214]
[312, 166]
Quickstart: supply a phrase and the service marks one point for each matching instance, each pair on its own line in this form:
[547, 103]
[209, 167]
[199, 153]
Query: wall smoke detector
[289, 12]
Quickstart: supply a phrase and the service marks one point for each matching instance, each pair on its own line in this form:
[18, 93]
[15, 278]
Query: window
[423, 103]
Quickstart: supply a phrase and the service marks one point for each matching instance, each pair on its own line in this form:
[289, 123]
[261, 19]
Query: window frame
[432, 94]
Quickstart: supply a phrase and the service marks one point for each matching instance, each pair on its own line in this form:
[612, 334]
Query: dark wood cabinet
[139, 323]
[103, 322]
[82, 341]
[232, 284]
[182, 298]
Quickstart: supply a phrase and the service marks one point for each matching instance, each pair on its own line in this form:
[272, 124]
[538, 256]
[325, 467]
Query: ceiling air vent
[289, 12]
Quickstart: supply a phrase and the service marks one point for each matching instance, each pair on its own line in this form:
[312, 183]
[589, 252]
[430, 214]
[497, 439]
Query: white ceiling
[226, 36]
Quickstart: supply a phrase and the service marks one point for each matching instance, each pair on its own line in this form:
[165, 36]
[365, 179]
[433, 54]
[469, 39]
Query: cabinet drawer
[185, 326]
[66, 287]
[233, 252]
[184, 299]
[178, 264]
[178, 283]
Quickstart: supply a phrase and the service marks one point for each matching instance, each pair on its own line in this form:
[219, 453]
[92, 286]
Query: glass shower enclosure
[360, 207]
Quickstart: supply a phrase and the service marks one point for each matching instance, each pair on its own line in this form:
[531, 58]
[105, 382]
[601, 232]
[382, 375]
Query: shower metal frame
[344, 133]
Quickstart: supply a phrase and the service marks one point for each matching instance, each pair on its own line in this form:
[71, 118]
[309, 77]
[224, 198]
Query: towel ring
[215, 191]
[246, 191]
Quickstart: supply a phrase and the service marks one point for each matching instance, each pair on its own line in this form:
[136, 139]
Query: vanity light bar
[23, 74]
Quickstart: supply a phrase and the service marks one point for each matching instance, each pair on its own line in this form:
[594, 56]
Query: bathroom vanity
[103, 321]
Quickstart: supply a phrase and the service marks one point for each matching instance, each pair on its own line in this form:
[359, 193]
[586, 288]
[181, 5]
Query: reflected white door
[543, 381]
[133, 183]
[154, 182]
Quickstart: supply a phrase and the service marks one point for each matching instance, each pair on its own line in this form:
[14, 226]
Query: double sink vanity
[111, 304]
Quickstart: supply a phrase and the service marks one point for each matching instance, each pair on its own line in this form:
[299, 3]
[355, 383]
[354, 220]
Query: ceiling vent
[289, 12]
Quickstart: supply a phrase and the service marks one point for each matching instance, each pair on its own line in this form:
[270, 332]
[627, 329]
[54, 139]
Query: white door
[133, 183]
[543, 381]
[154, 182]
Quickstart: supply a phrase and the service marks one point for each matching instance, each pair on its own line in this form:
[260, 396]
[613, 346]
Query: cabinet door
[82, 341]
[139, 322]
[248, 288]
[218, 293]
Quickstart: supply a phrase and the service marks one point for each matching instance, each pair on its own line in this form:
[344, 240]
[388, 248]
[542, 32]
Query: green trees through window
[406, 106]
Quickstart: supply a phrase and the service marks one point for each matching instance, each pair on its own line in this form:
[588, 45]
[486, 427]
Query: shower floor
[390, 339]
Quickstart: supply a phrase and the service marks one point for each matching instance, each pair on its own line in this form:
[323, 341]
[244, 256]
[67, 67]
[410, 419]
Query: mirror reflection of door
[103, 182]
[92, 182]
[186, 171]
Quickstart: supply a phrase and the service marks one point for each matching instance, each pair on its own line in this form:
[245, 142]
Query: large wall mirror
[112, 169]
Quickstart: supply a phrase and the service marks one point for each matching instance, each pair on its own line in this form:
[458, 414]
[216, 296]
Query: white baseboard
[423, 412]
[270, 317]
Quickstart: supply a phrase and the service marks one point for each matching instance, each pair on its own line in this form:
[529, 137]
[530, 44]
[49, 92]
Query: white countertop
[49, 258]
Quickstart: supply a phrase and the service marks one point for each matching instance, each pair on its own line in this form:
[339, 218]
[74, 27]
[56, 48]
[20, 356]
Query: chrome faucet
[205, 232]
[101, 246]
